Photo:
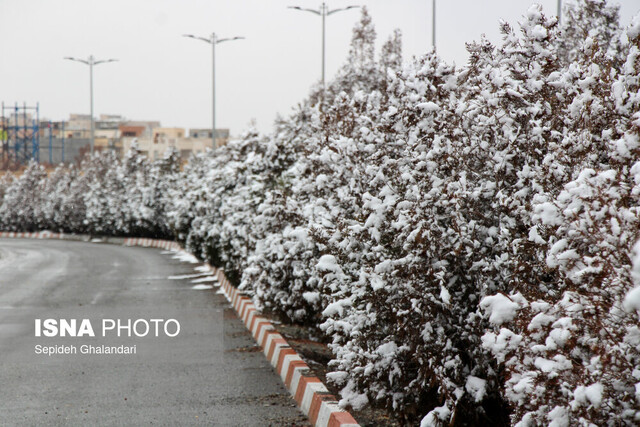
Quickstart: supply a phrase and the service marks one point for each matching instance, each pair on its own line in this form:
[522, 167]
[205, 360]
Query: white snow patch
[500, 307]
[539, 32]
[548, 214]
[476, 387]
[534, 236]
[205, 279]
[336, 307]
[201, 287]
[311, 297]
[436, 417]
[634, 28]
[632, 300]
[185, 276]
[428, 107]
[338, 377]
[559, 417]
[552, 366]
[387, 349]
[328, 263]
[524, 385]
[502, 343]
[445, 296]
[540, 320]
[592, 394]
[185, 257]
[351, 397]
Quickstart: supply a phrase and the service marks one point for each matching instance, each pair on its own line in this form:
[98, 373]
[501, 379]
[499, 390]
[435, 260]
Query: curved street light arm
[229, 39]
[105, 60]
[304, 9]
[191, 36]
[341, 9]
[76, 59]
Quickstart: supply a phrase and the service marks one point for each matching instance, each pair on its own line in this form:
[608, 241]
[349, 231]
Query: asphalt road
[209, 374]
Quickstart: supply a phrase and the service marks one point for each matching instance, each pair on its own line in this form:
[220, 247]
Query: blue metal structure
[20, 134]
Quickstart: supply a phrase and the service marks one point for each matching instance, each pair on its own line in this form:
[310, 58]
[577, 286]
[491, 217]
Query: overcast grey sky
[163, 76]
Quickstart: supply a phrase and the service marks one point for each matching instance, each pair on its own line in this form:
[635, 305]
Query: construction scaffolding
[19, 135]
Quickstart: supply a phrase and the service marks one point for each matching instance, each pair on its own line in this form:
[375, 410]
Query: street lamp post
[433, 25]
[91, 61]
[323, 12]
[213, 40]
[559, 12]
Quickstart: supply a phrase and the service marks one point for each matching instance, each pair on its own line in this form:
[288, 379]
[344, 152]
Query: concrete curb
[311, 395]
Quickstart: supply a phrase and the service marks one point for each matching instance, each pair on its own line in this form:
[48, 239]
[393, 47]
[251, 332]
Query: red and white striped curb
[312, 396]
[34, 235]
[128, 241]
[152, 243]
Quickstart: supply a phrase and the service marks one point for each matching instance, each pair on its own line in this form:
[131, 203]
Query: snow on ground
[202, 287]
[186, 276]
[205, 279]
[185, 257]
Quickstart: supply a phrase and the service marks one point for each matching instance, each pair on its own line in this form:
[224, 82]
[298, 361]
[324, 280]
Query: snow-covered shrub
[444, 202]
[185, 200]
[103, 198]
[23, 200]
[276, 273]
[570, 350]
[162, 180]
[63, 207]
[144, 185]
[128, 197]
[330, 138]
[6, 180]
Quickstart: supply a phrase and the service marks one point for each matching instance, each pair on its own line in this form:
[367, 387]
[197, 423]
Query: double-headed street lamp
[91, 62]
[323, 12]
[213, 40]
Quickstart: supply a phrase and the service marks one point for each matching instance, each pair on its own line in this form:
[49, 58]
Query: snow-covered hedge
[462, 237]
[104, 196]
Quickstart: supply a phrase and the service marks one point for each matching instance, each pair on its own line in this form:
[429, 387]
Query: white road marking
[96, 298]
[186, 276]
[205, 279]
[202, 287]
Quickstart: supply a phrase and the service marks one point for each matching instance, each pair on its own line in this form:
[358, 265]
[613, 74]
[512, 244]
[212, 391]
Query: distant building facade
[67, 141]
[162, 139]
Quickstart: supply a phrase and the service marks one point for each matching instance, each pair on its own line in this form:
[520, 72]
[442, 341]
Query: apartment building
[155, 146]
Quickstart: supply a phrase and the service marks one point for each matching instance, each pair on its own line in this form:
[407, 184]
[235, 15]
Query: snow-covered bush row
[103, 196]
[462, 237]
